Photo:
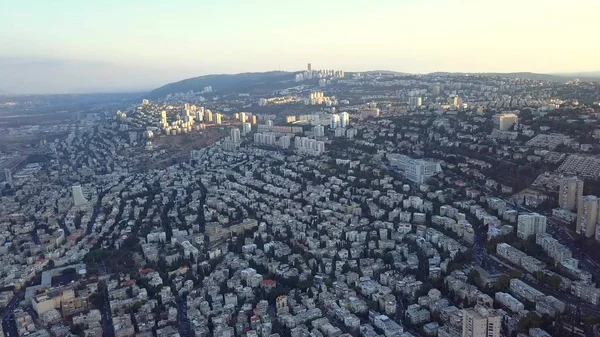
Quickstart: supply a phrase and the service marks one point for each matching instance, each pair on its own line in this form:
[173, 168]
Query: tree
[258, 241]
[554, 281]
[78, 330]
[516, 274]
[474, 277]
[136, 306]
[345, 268]
[531, 320]
[503, 283]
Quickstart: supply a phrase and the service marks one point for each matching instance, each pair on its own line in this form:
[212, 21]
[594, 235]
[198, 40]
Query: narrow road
[109, 329]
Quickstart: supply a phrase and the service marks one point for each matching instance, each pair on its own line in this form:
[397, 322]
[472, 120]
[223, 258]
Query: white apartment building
[570, 191]
[284, 142]
[305, 145]
[523, 290]
[510, 253]
[344, 119]
[530, 224]
[481, 322]
[415, 102]
[235, 135]
[509, 302]
[335, 121]
[247, 128]
[553, 248]
[588, 216]
[318, 130]
[415, 170]
[265, 139]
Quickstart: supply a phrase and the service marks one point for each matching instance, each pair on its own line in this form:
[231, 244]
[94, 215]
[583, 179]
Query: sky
[75, 46]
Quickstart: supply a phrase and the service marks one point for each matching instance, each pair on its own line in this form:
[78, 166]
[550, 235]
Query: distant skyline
[74, 46]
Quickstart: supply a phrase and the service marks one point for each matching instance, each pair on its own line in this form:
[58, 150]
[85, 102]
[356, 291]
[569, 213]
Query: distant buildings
[339, 120]
[415, 102]
[454, 101]
[232, 143]
[8, 176]
[504, 122]
[316, 97]
[235, 135]
[318, 131]
[247, 128]
[163, 118]
[200, 114]
[415, 170]
[370, 112]
[344, 119]
[305, 145]
[265, 138]
[530, 224]
[481, 322]
[244, 117]
[284, 142]
[588, 215]
[570, 191]
[335, 122]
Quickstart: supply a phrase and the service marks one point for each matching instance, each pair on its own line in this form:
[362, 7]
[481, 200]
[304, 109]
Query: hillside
[247, 81]
[223, 82]
[589, 75]
[562, 78]
[385, 72]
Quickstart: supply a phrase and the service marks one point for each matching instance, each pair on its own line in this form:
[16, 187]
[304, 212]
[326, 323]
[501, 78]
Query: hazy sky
[99, 45]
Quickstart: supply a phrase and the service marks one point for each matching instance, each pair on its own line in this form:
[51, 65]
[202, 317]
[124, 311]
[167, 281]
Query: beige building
[51, 300]
[504, 122]
[570, 190]
[481, 322]
[281, 304]
[588, 215]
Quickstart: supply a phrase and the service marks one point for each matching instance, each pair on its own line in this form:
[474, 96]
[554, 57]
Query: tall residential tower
[570, 191]
[588, 215]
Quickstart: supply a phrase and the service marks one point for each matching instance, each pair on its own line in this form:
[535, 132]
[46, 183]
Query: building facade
[504, 122]
[481, 322]
[588, 215]
[530, 224]
[570, 191]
